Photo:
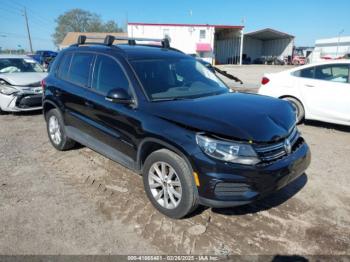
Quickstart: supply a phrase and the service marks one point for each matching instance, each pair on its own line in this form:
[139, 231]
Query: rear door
[328, 92]
[74, 72]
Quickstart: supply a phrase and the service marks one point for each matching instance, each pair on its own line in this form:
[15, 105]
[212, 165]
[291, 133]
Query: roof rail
[109, 39]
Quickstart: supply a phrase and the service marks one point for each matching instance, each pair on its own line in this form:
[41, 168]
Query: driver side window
[108, 75]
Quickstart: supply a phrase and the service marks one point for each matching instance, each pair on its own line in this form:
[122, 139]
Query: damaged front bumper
[26, 100]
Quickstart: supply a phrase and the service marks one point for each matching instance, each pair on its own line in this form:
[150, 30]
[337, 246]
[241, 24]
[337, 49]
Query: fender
[53, 103]
[166, 145]
[170, 147]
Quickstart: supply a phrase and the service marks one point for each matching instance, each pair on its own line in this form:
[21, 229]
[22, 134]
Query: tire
[181, 182]
[56, 131]
[299, 108]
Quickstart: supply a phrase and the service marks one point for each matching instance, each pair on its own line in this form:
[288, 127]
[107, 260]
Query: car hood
[23, 79]
[232, 115]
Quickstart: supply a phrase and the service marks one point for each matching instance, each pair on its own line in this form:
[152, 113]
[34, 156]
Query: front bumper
[227, 184]
[24, 101]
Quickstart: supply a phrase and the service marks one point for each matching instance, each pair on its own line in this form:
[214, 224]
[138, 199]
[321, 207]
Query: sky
[306, 20]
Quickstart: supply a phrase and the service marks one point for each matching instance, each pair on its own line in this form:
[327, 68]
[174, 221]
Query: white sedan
[20, 88]
[318, 91]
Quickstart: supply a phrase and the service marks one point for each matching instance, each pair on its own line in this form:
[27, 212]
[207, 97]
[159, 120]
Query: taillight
[43, 84]
[264, 80]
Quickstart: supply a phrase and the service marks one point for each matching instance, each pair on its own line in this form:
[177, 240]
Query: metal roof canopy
[268, 34]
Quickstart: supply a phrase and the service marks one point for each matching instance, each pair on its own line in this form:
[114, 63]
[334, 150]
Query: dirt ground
[78, 202]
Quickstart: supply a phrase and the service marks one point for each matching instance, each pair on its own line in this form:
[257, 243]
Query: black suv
[164, 115]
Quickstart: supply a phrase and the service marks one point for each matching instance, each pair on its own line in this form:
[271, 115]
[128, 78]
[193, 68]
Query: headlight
[7, 90]
[240, 153]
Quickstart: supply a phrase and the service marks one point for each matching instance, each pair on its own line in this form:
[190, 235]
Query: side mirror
[119, 95]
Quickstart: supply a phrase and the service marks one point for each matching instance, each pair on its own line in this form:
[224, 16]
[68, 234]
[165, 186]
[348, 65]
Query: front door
[113, 124]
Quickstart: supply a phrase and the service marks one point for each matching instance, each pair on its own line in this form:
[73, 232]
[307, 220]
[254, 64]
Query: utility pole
[340, 32]
[29, 38]
[241, 44]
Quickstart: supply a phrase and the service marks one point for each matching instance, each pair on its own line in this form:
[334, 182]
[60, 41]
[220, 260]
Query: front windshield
[165, 79]
[17, 65]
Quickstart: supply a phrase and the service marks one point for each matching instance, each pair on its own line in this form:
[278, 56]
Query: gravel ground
[78, 202]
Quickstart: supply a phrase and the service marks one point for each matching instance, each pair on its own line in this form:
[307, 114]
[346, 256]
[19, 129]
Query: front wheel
[169, 184]
[298, 107]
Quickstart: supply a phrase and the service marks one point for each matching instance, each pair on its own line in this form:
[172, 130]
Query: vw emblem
[287, 146]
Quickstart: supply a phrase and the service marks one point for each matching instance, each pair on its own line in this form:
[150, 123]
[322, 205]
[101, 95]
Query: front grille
[272, 152]
[231, 189]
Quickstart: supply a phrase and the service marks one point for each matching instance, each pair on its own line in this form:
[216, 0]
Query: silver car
[20, 83]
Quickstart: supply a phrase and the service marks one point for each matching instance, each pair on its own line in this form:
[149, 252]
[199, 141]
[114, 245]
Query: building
[72, 37]
[220, 43]
[201, 39]
[267, 43]
[330, 48]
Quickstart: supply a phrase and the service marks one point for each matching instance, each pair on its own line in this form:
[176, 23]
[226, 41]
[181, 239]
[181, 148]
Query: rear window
[64, 66]
[307, 72]
[80, 68]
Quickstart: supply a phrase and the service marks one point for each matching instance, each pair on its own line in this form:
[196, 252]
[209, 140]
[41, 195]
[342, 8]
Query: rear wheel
[169, 184]
[56, 131]
[298, 107]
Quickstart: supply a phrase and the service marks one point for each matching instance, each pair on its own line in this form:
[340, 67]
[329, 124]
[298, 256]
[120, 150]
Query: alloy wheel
[165, 185]
[54, 130]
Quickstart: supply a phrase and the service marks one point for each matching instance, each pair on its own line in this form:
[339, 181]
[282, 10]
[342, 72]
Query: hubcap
[54, 130]
[165, 185]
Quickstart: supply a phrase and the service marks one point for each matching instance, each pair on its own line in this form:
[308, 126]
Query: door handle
[89, 104]
[309, 85]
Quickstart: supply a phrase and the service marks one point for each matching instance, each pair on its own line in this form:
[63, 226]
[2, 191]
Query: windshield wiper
[170, 99]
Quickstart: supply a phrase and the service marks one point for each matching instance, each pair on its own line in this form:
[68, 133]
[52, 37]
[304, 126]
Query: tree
[78, 20]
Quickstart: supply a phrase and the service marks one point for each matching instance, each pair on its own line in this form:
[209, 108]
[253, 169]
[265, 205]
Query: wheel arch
[150, 145]
[48, 105]
[294, 97]
[301, 102]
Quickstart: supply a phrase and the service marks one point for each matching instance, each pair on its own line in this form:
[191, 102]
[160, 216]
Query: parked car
[44, 57]
[319, 91]
[20, 88]
[164, 115]
[260, 60]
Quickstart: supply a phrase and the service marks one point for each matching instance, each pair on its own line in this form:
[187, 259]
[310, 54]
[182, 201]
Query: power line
[9, 10]
[35, 14]
[14, 35]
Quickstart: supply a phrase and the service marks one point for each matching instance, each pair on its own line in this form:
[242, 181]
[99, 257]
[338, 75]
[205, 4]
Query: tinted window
[64, 66]
[80, 68]
[307, 72]
[108, 75]
[335, 73]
